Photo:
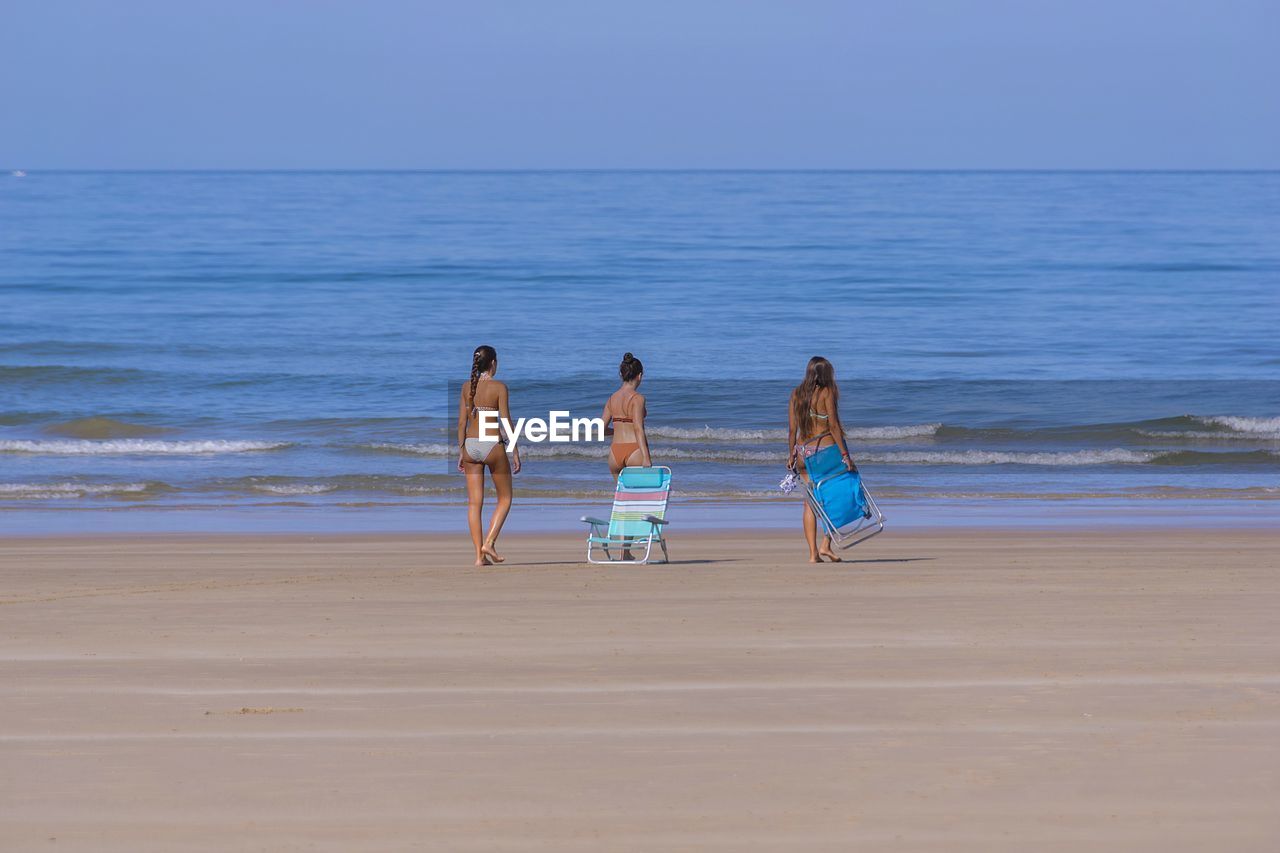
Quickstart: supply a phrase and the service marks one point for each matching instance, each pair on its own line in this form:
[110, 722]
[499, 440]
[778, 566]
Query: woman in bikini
[624, 419]
[475, 453]
[813, 424]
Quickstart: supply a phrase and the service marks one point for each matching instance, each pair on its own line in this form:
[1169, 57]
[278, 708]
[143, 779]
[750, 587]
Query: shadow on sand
[887, 560]
[622, 565]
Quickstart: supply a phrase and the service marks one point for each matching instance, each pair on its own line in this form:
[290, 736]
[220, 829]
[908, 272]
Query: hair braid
[481, 360]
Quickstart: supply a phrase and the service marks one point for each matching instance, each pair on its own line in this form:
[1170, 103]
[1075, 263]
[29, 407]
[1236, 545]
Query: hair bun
[628, 357]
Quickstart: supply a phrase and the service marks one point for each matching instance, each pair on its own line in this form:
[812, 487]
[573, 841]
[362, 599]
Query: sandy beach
[960, 690]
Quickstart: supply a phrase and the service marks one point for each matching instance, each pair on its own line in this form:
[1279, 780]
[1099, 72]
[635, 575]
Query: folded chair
[840, 500]
[639, 510]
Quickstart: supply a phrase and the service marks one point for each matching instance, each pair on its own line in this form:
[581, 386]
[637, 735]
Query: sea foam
[662, 454]
[53, 491]
[710, 433]
[1072, 458]
[294, 489]
[136, 446]
[1267, 426]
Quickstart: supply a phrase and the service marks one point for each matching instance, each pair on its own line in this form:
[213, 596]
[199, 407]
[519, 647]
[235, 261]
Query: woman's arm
[792, 427]
[462, 425]
[638, 413]
[608, 420]
[505, 413]
[837, 430]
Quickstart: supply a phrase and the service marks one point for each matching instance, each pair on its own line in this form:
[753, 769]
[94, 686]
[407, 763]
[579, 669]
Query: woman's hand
[515, 461]
[462, 454]
[791, 460]
[848, 462]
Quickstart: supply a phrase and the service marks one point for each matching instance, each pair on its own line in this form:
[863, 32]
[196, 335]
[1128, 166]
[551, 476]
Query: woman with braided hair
[476, 452]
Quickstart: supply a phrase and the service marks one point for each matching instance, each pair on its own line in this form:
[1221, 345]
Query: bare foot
[487, 551]
[483, 561]
[814, 558]
[831, 556]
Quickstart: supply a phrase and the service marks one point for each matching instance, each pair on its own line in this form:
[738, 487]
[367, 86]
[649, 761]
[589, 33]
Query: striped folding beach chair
[639, 510]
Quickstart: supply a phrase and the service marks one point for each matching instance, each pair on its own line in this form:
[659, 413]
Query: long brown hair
[819, 374]
[481, 360]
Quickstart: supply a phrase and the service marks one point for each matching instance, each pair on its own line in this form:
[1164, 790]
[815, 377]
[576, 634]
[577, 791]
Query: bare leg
[633, 458]
[811, 522]
[475, 504]
[500, 469]
[811, 533]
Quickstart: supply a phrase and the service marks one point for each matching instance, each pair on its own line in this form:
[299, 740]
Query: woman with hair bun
[624, 419]
[483, 393]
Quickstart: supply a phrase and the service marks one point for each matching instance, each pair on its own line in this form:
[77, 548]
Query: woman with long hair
[623, 417]
[813, 423]
[476, 452]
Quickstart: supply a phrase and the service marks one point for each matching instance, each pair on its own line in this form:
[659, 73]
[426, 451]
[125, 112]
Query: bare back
[488, 396]
[625, 404]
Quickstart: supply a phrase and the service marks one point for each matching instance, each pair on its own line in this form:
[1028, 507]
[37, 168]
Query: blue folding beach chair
[639, 514]
[840, 500]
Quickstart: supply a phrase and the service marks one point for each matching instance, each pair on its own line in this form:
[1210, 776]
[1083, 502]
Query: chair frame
[864, 529]
[598, 537]
[595, 540]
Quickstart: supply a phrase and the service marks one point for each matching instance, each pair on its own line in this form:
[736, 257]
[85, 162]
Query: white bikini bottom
[479, 448]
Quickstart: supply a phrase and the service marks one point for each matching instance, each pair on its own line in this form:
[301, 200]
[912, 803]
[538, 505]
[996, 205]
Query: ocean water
[256, 340]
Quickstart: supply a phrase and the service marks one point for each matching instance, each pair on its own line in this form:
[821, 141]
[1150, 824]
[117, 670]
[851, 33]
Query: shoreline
[686, 515]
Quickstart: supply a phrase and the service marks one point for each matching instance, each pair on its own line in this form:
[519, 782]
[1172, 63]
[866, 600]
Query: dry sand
[949, 690]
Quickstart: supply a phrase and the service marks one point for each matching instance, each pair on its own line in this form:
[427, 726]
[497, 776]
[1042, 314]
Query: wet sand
[960, 690]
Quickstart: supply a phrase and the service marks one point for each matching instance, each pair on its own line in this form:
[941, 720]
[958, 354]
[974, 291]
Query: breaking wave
[294, 489]
[55, 491]
[1269, 427]
[1068, 458]
[710, 433]
[115, 447]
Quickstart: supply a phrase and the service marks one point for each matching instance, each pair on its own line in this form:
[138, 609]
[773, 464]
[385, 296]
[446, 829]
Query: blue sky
[600, 84]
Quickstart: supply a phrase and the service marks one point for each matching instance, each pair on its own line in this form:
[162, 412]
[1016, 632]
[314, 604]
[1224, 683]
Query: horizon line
[643, 170]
